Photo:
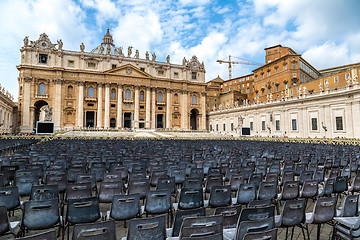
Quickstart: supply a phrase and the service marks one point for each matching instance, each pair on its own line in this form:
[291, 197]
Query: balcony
[42, 96]
[90, 99]
[160, 103]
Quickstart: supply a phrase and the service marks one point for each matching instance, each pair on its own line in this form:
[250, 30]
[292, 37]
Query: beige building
[7, 112]
[289, 97]
[108, 87]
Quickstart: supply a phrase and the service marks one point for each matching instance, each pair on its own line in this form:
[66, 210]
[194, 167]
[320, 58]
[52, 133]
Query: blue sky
[325, 32]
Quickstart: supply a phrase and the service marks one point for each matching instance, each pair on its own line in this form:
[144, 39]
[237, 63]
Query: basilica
[108, 87]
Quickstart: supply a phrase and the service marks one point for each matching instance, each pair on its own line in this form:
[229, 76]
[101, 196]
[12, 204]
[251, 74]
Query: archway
[112, 122]
[38, 105]
[194, 119]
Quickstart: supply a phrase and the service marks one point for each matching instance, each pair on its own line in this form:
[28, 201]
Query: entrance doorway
[112, 122]
[141, 123]
[90, 119]
[160, 121]
[193, 119]
[38, 106]
[127, 120]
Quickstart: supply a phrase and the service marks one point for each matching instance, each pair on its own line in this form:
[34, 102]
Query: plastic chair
[201, 226]
[140, 186]
[324, 211]
[349, 207]
[147, 228]
[235, 181]
[253, 226]
[268, 235]
[181, 214]
[41, 215]
[293, 214]
[267, 190]
[230, 215]
[197, 173]
[5, 226]
[43, 193]
[256, 178]
[166, 183]
[213, 180]
[95, 231]
[309, 189]
[305, 175]
[355, 186]
[290, 190]
[155, 175]
[112, 177]
[159, 201]
[191, 198]
[246, 193]
[287, 176]
[259, 203]
[193, 183]
[340, 184]
[78, 191]
[328, 188]
[87, 178]
[253, 214]
[59, 180]
[125, 207]
[9, 197]
[108, 190]
[220, 196]
[212, 236]
[25, 183]
[85, 210]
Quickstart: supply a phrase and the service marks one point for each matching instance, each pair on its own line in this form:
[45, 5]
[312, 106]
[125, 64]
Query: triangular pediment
[128, 70]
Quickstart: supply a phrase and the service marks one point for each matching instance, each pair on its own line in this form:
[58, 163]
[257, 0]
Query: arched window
[113, 94]
[127, 94]
[176, 98]
[91, 92]
[141, 95]
[70, 91]
[160, 97]
[194, 99]
[42, 89]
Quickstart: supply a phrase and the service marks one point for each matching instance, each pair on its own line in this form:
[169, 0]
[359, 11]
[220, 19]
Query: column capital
[28, 79]
[203, 93]
[168, 90]
[80, 83]
[184, 91]
[107, 84]
[58, 80]
[100, 84]
[137, 87]
[120, 85]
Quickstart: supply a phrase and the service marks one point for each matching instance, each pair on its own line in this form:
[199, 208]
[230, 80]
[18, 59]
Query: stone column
[107, 106]
[99, 106]
[347, 122]
[25, 126]
[203, 111]
[32, 118]
[136, 108]
[168, 108]
[147, 108]
[153, 108]
[184, 114]
[57, 104]
[80, 117]
[119, 107]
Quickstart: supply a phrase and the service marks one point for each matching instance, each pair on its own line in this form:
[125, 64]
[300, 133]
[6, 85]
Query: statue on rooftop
[26, 41]
[153, 57]
[129, 51]
[60, 44]
[82, 47]
[168, 59]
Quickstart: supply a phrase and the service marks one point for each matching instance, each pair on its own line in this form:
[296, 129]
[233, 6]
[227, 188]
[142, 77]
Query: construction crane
[244, 62]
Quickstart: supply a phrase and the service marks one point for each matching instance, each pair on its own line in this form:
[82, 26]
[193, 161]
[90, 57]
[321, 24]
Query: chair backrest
[4, 221]
[50, 235]
[305, 175]
[309, 189]
[25, 183]
[78, 190]
[268, 235]
[254, 226]
[42, 193]
[350, 206]
[213, 180]
[324, 209]
[166, 183]
[87, 178]
[193, 183]
[158, 201]
[41, 214]
[293, 212]
[201, 226]
[220, 196]
[319, 175]
[59, 180]
[147, 228]
[253, 214]
[272, 177]
[216, 236]
[246, 193]
[328, 187]
[125, 206]
[230, 215]
[155, 175]
[197, 173]
[191, 198]
[341, 184]
[109, 189]
[256, 178]
[95, 231]
[9, 197]
[287, 176]
[355, 186]
[267, 190]
[140, 186]
[85, 210]
[290, 190]
[181, 214]
[179, 175]
[235, 181]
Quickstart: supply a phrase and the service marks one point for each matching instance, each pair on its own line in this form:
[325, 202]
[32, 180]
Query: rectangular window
[247, 90]
[217, 127]
[232, 126]
[142, 69]
[339, 123]
[314, 126]
[336, 79]
[71, 63]
[276, 70]
[113, 105]
[193, 75]
[285, 67]
[113, 66]
[224, 127]
[160, 72]
[251, 126]
[277, 124]
[293, 123]
[91, 65]
[263, 125]
[43, 58]
[210, 127]
[176, 75]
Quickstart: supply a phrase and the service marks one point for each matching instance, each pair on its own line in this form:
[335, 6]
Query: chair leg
[292, 232]
[307, 231]
[303, 232]
[286, 234]
[318, 232]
